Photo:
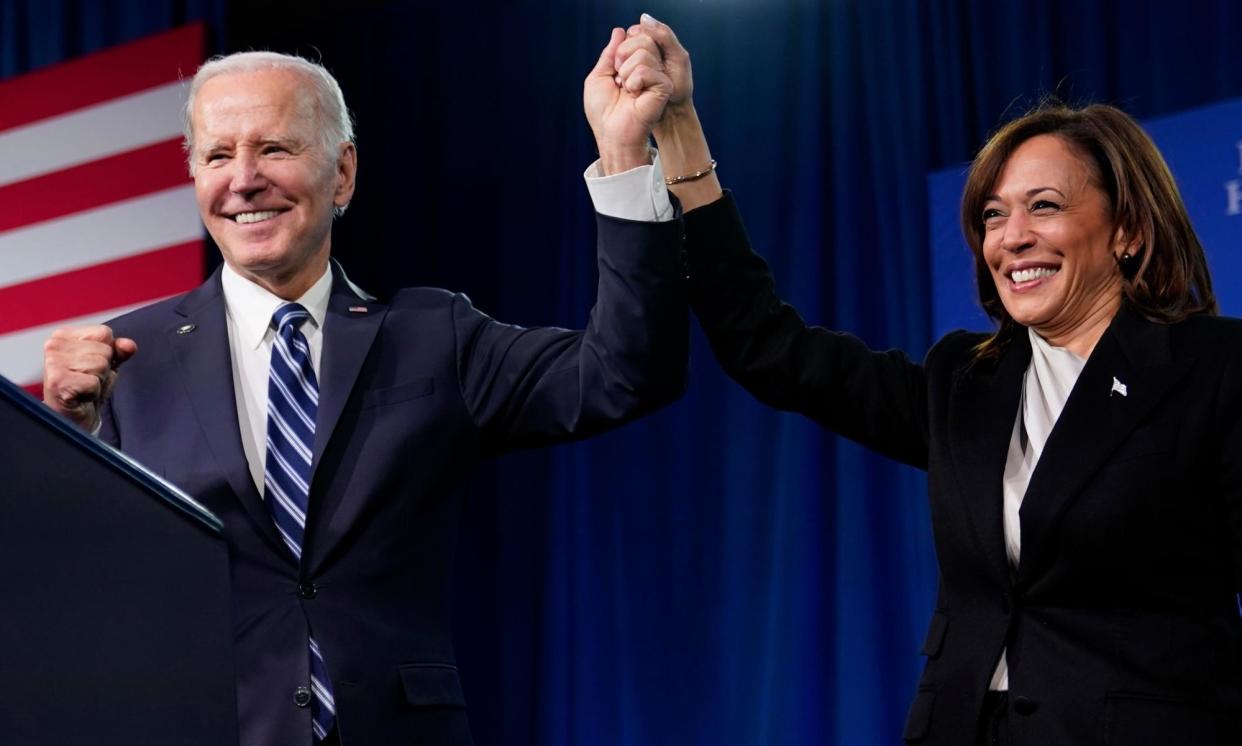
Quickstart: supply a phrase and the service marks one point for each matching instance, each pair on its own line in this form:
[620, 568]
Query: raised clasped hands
[624, 96]
[652, 39]
[79, 371]
[679, 134]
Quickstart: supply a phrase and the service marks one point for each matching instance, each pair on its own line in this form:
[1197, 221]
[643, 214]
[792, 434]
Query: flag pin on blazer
[1118, 387]
[357, 309]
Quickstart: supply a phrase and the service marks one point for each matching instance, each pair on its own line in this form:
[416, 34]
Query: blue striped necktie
[292, 401]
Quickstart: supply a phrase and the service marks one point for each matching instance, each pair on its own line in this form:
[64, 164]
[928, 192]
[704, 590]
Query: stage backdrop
[718, 573]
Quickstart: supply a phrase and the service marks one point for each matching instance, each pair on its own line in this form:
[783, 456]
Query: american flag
[97, 211]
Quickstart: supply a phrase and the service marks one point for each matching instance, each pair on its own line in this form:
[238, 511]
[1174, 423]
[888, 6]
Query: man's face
[265, 189]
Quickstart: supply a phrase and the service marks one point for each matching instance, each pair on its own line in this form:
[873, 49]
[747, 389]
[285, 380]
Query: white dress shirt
[249, 310]
[638, 194]
[1046, 386]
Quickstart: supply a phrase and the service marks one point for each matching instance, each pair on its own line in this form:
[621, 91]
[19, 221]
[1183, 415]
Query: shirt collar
[1063, 356]
[251, 306]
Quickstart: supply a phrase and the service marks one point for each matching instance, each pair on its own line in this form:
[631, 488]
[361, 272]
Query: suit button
[307, 590]
[1025, 705]
[302, 696]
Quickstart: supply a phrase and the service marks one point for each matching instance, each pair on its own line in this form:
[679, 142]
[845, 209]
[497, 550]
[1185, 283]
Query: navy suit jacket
[1120, 621]
[412, 394]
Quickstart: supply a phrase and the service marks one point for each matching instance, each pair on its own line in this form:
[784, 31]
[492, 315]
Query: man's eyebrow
[286, 141]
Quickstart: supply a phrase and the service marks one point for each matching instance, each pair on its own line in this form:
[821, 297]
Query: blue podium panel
[115, 611]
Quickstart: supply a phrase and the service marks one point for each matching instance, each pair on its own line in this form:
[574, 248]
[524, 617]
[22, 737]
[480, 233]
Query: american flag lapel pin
[1118, 387]
[357, 309]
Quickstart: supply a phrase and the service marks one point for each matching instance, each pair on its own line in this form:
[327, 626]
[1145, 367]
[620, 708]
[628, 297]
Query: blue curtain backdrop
[718, 573]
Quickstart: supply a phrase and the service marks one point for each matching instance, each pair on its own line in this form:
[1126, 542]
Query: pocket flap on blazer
[432, 685]
[918, 722]
[399, 393]
[935, 634]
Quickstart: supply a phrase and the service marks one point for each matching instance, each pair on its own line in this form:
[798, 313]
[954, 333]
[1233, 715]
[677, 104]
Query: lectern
[114, 596]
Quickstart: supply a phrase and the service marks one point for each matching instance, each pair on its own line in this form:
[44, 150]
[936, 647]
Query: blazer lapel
[982, 412]
[349, 330]
[200, 341]
[1128, 373]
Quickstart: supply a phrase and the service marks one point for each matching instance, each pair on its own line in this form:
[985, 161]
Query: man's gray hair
[334, 126]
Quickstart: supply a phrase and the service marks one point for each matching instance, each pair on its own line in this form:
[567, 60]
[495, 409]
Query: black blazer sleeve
[878, 399]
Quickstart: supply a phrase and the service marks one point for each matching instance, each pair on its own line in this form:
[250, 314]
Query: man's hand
[623, 105]
[79, 371]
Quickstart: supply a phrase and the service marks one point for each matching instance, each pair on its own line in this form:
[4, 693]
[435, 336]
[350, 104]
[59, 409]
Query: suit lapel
[1132, 357]
[200, 341]
[982, 412]
[349, 330]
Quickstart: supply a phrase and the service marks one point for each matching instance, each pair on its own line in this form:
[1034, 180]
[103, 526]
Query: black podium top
[15, 397]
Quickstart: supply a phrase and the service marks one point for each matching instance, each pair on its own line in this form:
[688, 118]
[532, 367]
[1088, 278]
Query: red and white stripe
[97, 211]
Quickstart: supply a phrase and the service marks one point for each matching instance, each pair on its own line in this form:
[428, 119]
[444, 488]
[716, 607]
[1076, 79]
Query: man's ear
[346, 171]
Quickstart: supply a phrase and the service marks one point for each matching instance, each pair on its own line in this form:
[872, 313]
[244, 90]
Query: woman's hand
[683, 146]
[659, 40]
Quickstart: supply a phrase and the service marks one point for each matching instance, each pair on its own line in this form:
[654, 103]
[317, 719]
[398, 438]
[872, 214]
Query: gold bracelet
[672, 180]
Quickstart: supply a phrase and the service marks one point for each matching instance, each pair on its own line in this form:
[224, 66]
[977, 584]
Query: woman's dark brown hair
[1167, 280]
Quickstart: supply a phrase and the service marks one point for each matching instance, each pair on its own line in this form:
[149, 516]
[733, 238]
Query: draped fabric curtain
[717, 573]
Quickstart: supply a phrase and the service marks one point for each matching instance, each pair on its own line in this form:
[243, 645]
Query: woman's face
[1049, 241]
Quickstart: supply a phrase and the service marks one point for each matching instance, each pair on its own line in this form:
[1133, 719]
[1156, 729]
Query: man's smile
[246, 218]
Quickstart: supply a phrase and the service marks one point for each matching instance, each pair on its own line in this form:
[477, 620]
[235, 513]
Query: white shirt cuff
[638, 194]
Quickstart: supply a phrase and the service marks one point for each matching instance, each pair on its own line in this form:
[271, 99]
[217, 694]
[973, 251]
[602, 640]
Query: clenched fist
[623, 105]
[79, 370]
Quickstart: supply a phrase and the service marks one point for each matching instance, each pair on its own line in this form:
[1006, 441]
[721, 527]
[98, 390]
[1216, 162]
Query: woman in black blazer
[1084, 460]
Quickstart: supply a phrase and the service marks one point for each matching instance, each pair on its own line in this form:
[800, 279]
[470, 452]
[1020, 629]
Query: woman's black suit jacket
[1121, 620]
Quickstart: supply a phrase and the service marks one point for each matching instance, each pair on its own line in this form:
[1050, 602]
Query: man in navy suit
[409, 395]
